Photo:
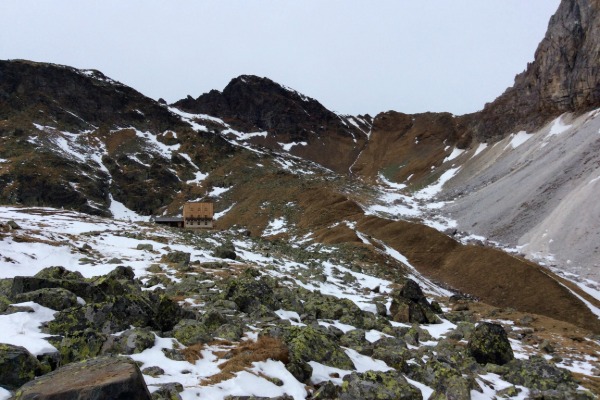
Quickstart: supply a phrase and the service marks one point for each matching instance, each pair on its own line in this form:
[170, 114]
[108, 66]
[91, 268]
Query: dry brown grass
[29, 239]
[242, 357]
[193, 353]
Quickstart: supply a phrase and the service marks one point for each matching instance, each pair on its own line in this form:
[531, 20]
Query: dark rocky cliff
[250, 103]
[564, 76]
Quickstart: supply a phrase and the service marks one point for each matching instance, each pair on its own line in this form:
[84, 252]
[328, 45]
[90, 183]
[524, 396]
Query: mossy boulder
[17, 366]
[409, 304]
[225, 251]
[250, 293]
[176, 257]
[393, 351]
[79, 346]
[356, 340]
[55, 298]
[377, 385]
[168, 391]
[489, 344]
[310, 343]
[59, 272]
[537, 373]
[447, 381]
[132, 341]
[190, 331]
[114, 302]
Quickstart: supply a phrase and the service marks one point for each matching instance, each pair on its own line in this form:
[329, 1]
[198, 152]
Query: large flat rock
[95, 379]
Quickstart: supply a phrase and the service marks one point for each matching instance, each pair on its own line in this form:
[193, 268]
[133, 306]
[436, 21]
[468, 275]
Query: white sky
[353, 56]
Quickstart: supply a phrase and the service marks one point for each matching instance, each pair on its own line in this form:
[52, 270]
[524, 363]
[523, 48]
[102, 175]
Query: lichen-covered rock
[176, 257]
[190, 331]
[226, 251]
[393, 351]
[145, 246]
[168, 391]
[409, 304]
[99, 378]
[489, 344]
[17, 366]
[58, 272]
[377, 385]
[114, 303]
[79, 345]
[310, 343]
[250, 293]
[537, 373]
[447, 381]
[132, 341]
[229, 331]
[55, 298]
[356, 340]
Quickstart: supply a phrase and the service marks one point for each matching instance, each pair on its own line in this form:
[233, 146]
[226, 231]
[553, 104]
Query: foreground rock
[99, 378]
[17, 366]
[376, 385]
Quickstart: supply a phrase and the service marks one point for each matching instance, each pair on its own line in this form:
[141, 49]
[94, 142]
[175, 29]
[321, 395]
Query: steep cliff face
[564, 76]
[292, 121]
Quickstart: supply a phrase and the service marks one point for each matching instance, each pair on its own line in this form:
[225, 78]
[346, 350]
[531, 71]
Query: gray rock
[99, 378]
[376, 385]
[177, 257]
[489, 344]
[55, 298]
[145, 246]
[17, 366]
[168, 391]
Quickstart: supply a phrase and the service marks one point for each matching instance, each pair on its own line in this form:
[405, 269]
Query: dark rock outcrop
[564, 76]
[409, 304]
[100, 378]
[489, 344]
[17, 366]
[250, 103]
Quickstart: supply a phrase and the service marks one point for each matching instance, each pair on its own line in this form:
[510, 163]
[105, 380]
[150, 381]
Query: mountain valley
[390, 240]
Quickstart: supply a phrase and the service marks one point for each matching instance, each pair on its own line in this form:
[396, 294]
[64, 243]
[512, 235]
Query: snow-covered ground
[56, 237]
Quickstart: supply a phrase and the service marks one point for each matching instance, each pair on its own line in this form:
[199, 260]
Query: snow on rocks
[288, 293]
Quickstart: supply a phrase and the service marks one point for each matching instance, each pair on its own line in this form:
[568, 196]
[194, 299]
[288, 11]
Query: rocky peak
[254, 103]
[250, 103]
[564, 76]
[75, 99]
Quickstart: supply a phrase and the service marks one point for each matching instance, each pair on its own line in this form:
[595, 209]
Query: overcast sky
[353, 56]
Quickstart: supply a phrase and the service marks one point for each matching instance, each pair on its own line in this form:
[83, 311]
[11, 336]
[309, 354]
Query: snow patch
[288, 146]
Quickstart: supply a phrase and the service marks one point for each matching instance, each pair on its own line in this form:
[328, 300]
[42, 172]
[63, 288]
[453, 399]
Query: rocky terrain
[393, 256]
[224, 315]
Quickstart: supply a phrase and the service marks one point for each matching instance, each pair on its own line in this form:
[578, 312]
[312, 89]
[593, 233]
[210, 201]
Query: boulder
[249, 293]
[98, 378]
[55, 298]
[489, 344]
[176, 257]
[537, 373]
[17, 366]
[226, 251]
[168, 391]
[409, 304]
[377, 385]
[310, 343]
[145, 246]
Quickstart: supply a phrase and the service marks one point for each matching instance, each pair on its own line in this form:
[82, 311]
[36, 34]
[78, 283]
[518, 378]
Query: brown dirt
[493, 276]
